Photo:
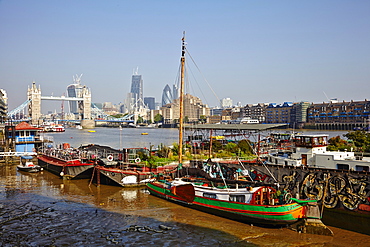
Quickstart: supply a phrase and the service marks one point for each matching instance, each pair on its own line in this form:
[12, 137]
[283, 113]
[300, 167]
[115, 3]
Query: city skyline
[248, 51]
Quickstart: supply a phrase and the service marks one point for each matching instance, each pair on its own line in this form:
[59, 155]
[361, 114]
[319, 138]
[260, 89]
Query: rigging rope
[218, 99]
[223, 179]
[241, 163]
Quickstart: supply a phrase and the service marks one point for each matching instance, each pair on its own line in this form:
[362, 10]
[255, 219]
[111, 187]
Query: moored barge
[66, 163]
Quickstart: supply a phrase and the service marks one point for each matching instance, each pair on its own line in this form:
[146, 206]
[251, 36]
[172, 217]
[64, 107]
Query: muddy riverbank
[43, 210]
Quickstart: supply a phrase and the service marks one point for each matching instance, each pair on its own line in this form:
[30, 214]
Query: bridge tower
[85, 104]
[85, 108]
[34, 107]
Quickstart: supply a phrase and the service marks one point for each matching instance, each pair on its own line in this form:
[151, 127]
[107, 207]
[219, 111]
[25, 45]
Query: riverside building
[3, 106]
[193, 110]
[339, 115]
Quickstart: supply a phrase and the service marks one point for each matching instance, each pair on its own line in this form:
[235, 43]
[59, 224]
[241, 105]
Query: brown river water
[43, 210]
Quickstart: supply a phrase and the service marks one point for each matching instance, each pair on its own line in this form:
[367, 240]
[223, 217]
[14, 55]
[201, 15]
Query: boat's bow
[312, 223]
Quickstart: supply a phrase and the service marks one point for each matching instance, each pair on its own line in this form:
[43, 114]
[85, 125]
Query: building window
[342, 167]
[362, 168]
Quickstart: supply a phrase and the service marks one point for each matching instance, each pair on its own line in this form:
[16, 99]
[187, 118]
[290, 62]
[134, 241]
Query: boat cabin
[263, 196]
[311, 141]
[253, 195]
[27, 138]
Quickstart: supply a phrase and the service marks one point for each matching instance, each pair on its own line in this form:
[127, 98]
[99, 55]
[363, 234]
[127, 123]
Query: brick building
[255, 111]
[339, 115]
[279, 113]
[193, 109]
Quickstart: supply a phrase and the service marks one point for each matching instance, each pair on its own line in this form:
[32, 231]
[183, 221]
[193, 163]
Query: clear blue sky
[250, 51]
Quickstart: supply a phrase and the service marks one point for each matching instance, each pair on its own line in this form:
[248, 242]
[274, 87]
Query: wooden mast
[181, 118]
[210, 144]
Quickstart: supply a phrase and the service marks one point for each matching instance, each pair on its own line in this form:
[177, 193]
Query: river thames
[77, 213]
[132, 138]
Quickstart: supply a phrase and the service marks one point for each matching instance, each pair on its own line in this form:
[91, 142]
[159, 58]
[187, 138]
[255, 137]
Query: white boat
[52, 127]
[311, 151]
[26, 165]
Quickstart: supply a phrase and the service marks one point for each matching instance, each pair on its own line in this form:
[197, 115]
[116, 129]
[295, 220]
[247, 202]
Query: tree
[216, 145]
[142, 156]
[163, 151]
[245, 146]
[175, 149]
[336, 143]
[117, 115]
[140, 119]
[158, 118]
[231, 147]
[361, 140]
[202, 119]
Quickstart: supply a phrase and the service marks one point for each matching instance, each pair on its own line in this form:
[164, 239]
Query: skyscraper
[137, 90]
[166, 95]
[175, 92]
[150, 102]
[130, 103]
[74, 90]
[226, 102]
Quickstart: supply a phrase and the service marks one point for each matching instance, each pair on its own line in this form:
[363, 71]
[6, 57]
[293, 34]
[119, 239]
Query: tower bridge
[84, 104]
[86, 109]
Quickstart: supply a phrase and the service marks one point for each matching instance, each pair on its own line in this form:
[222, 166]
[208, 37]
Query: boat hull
[120, 177]
[278, 215]
[344, 191]
[34, 169]
[71, 169]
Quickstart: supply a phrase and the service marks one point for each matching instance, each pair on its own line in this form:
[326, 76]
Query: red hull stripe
[248, 211]
[63, 163]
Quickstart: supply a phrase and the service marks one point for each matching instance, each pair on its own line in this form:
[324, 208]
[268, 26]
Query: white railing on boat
[10, 154]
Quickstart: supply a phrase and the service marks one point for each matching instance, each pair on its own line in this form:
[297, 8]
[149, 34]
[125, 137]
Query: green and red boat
[253, 205]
